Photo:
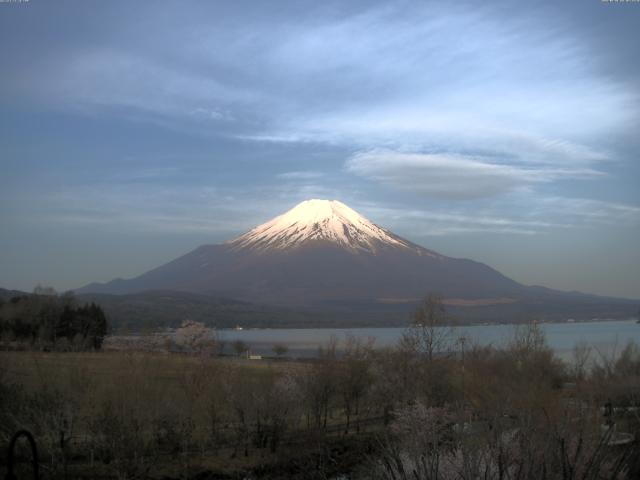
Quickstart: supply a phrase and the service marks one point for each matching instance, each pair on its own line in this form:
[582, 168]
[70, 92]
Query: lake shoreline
[454, 325]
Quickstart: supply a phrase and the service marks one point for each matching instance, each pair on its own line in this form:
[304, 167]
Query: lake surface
[608, 337]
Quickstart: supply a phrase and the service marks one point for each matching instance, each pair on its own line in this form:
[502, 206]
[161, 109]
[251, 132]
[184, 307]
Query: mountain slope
[8, 294]
[319, 252]
[323, 254]
[158, 308]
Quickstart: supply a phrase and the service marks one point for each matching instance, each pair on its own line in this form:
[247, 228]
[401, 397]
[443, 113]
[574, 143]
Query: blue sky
[506, 132]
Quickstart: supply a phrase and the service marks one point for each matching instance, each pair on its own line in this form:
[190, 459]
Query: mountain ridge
[323, 254]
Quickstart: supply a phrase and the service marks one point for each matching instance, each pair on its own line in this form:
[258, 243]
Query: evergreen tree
[51, 321]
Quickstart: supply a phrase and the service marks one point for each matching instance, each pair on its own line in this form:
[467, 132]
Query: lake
[606, 336]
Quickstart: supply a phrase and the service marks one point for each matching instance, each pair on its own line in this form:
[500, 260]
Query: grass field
[32, 368]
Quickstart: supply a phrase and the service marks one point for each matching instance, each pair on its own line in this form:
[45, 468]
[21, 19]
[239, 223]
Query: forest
[48, 321]
[435, 406]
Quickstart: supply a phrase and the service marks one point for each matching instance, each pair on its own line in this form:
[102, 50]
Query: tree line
[433, 407]
[46, 320]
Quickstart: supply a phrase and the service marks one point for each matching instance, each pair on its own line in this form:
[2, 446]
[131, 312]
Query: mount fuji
[323, 253]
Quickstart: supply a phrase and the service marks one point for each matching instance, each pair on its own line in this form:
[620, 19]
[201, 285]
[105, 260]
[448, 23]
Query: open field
[36, 369]
[364, 413]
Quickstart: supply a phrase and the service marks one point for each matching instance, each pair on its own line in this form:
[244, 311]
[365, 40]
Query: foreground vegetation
[434, 407]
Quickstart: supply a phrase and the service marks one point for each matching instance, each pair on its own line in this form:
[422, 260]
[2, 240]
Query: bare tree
[580, 362]
[280, 349]
[318, 384]
[239, 393]
[354, 377]
[239, 347]
[394, 384]
[430, 332]
[528, 339]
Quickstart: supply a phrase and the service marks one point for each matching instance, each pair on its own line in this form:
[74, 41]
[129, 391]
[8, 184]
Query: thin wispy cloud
[550, 214]
[590, 211]
[107, 79]
[300, 175]
[431, 223]
[455, 176]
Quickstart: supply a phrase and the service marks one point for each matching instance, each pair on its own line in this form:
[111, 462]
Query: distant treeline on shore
[48, 321]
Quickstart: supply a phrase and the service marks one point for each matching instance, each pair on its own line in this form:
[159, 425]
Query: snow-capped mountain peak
[319, 220]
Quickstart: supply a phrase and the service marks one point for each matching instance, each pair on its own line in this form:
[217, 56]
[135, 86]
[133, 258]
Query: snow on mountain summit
[319, 220]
